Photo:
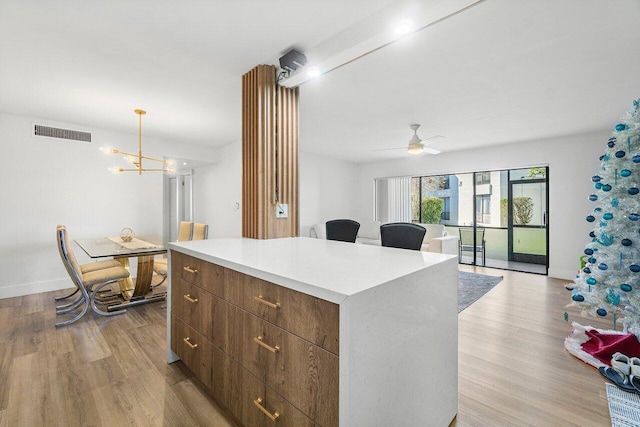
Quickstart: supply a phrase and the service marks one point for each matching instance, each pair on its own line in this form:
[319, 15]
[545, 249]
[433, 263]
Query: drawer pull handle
[274, 349]
[261, 300]
[192, 346]
[272, 417]
[191, 300]
[190, 270]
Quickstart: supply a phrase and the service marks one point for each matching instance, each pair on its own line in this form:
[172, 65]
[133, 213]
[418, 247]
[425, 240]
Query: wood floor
[513, 369]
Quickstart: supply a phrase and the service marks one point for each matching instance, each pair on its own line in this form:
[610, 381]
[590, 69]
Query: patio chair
[472, 241]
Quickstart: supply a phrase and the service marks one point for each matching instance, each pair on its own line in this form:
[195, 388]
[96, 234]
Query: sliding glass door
[528, 217]
[503, 212]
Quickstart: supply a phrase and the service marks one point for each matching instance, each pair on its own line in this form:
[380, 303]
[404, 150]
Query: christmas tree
[609, 282]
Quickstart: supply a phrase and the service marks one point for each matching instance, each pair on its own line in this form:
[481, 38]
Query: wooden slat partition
[269, 155]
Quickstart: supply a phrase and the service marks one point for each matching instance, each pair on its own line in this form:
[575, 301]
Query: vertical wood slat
[288, 154]
[264, 151]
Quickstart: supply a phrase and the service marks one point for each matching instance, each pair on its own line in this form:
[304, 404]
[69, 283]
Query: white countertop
[323, 268]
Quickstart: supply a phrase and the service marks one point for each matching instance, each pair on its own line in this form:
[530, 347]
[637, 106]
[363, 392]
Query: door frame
[528, 258]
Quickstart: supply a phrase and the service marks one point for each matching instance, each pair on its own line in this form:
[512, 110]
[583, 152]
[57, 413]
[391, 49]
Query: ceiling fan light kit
[417, 145]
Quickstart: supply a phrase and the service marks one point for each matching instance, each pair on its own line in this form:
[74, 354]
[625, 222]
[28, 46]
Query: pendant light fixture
[137, 159]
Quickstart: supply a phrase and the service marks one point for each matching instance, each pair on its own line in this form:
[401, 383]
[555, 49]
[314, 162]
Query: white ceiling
[502, 71]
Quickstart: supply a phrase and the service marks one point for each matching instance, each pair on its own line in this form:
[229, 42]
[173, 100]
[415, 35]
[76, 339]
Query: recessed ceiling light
[404, 27]
[313, 72]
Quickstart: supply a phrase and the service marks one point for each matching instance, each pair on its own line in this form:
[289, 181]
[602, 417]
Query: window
[483, 178]
[483, 209]
[446, 213]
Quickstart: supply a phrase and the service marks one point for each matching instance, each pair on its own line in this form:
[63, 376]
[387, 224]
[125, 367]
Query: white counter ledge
[323, 268]
[398, 320]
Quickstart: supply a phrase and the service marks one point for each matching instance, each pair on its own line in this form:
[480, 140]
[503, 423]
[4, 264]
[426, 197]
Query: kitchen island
[314, 332]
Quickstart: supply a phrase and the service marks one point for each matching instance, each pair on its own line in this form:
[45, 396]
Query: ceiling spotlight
[313, 72]
[404, 27]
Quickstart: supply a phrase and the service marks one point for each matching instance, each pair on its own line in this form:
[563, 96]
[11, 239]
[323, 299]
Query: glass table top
[144, 244]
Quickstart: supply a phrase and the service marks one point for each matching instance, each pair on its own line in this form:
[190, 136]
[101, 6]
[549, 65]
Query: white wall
[47, 181]
[327, 191]
[218, 193]
[572, 161]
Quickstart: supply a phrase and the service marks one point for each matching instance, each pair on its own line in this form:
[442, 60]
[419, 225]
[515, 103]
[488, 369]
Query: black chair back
[403, 235]
[343, 230]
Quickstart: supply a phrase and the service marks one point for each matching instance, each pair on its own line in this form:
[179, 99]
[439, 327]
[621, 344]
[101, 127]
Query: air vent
[50, 132]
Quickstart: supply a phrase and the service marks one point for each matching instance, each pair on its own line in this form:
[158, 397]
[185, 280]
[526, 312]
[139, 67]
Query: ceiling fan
[417, 145]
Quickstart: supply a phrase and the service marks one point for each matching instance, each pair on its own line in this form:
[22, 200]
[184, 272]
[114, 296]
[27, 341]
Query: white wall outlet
[282, 210]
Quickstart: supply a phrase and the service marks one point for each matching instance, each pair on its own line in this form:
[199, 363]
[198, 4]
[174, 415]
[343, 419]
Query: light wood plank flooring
[513, 369]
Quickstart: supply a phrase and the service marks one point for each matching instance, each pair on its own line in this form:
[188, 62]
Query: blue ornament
[626, 242]
[593, 197]
[621, 127]
[620, 154]
[596, 178]
[598, 185]
[597, 210]
[613, 138]
[591, 218]
[633, 191]
[588, 251]
[587, 270]
[635, 268]
[602, 266]
[612, 298]
[592, 260]
[636, 158]
[625, 173]
[626, 287]
[577, 298]
[610, 144]
[591, 281]
[634, 216]
[592, 234]
[601, 312]
[615, 202]
[606, 187]
[608, 216]
[605, 239]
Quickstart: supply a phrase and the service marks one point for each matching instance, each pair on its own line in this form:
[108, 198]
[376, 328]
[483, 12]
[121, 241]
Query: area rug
[471, 286]
[624, 407]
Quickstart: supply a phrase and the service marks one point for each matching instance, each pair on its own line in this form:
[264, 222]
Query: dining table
[144, 247]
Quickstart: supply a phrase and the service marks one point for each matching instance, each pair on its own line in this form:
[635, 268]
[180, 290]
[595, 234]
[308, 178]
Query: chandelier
[136, 159]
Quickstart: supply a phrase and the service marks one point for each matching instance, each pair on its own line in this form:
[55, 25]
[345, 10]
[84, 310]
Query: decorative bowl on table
[126, 234]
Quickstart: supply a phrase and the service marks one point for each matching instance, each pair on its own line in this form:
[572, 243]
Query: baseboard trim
[562, 274]
[12, 291]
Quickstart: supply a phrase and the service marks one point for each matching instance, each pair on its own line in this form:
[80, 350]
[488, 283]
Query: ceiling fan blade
[434, 138]
[430, 150]
[387, 149]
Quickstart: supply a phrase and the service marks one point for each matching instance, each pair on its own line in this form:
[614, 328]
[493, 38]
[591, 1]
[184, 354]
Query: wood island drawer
[311, 318]
[262, 407]
[194, 350]
[193, 306]
[206, 275]
[210, 316]
[301, 372]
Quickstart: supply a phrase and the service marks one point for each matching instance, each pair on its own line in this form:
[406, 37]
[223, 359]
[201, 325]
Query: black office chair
[343, 230]
[403, 235]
